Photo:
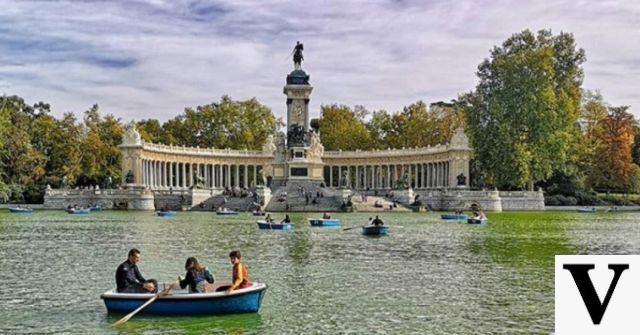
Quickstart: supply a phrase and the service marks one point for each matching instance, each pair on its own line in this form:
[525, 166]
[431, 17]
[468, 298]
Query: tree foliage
[225, 124]
[522, 117]
[614, 168]
[343, 128]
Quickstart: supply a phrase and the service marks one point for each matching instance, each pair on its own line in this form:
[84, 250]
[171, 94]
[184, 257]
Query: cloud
[150, 59]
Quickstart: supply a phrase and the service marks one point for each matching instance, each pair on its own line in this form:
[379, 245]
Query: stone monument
[302, 159]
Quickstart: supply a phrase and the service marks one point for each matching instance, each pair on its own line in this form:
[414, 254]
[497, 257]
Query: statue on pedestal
[198, 181]
[403, 183]
[344, 182]
[64, 183]
[129, 179]
[462, 180]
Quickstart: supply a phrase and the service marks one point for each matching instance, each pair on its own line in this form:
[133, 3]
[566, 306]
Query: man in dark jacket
[129, 279]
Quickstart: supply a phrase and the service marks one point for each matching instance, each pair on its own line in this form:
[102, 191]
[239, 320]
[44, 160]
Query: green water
[427, 276]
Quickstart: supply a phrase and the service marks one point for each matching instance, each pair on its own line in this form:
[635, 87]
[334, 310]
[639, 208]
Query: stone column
[183, 175]
[330, 176]
[255, 175]
[245, 177]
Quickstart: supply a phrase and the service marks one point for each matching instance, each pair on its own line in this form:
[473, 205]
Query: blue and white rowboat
[450, 216]
[324, 222]
[167, 214]
[586, 210]
[262, 224]
[79, 211]
[477, 221]
[21, 210]
[375, 230]
[182, 303]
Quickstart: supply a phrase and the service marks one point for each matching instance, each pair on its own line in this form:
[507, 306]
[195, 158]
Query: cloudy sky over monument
[150, 59]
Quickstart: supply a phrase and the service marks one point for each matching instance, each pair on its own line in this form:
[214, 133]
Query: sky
[151, 59]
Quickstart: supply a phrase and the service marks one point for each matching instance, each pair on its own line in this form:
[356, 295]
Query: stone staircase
[234, 203]
[290, 195]
[369, 205]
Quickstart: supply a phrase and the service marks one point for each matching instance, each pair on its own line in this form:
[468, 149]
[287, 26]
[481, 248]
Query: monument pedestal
[264, 195]
[404, 196]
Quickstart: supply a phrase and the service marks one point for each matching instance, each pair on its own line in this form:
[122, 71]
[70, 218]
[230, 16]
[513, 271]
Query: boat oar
[351, 228]
[159, 294]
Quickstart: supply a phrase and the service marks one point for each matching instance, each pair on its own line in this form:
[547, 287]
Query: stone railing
[386, 153]
[171, 149]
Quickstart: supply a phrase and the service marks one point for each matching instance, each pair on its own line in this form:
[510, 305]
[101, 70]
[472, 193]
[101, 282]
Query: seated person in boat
[268, 218]
[286, 219]
[196, 277]
[129, 279]
[369, 222]
[239, 274]
[479, 215]
[377, 222]
[326, 216]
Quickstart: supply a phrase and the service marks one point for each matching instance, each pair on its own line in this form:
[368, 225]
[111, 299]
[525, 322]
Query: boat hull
[453, 216]
[227, 213]
[324, 222]
[258, 214]
[477, 221]
[21, 210]
[375, 230]
[586, 210]
[246, 300]
[79, 211]
[274, 226]
[167, 214]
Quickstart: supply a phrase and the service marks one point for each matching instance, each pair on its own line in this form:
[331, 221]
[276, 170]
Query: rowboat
[324, 222]
[78, 211]
[259, 213]
[182, 303]
[95, 208]
[375, 230]
[477, 221]
[226, 211]
[586, 210]
[167, 214]
[262, 224]
[21, 210]
[450, 216]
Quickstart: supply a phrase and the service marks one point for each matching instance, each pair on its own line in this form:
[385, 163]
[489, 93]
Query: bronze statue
[462, 180]
[129, 179]
[297, 56]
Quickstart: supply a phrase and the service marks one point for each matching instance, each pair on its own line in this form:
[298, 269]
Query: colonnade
[381, 176]
[164, 175]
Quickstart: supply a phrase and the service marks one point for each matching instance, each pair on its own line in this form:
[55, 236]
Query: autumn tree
[614, 168]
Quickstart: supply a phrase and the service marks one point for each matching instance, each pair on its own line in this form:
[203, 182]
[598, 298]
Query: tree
[226, 124]
[614, 166]
[522, 117]
[343, 128]
[150, 130]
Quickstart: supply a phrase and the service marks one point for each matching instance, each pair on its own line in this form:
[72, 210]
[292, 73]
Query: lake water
[426, 277]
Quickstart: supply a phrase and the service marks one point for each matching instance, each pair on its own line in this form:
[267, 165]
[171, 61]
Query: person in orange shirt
[239, 275]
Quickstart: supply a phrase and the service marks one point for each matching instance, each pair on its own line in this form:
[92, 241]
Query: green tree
[151, 130]
[344, 128]
[225, 124]
[522, 118]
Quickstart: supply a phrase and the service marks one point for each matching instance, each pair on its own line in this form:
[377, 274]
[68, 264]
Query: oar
[351, 228]
[159, 294]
